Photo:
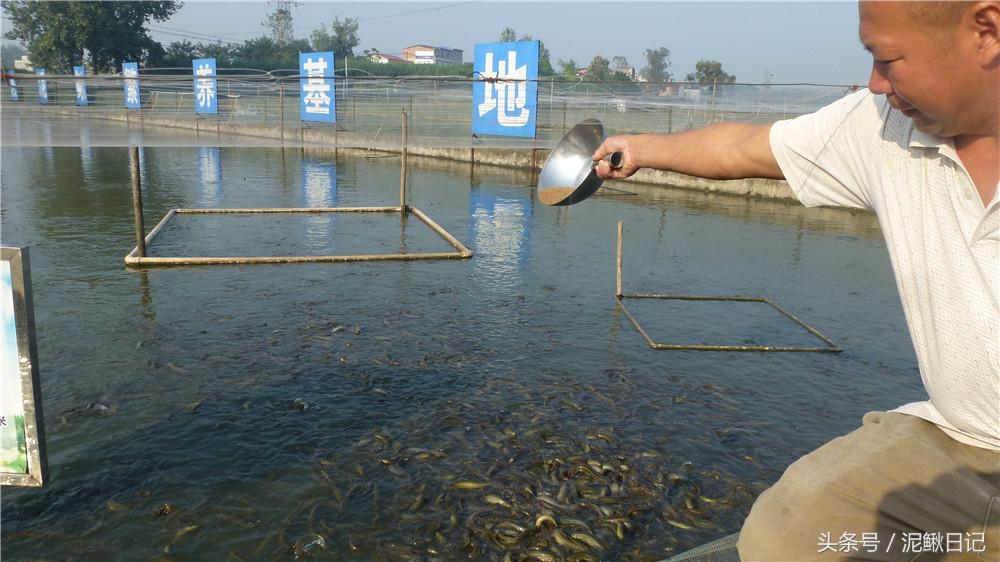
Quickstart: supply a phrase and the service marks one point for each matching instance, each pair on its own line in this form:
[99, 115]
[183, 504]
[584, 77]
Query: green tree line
[61, 34]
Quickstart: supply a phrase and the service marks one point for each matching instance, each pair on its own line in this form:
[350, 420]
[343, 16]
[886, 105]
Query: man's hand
[623, 144]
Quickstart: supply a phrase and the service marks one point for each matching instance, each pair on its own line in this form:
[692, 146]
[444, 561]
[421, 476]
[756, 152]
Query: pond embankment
[479, 153]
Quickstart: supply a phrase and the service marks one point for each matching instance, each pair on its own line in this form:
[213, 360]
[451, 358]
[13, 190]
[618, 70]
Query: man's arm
[720, 151]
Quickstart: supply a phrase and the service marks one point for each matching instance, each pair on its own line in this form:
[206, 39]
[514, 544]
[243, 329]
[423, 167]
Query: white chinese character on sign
[315, 88]
[869, 542]
[131, 85]
[508, 85]
[953, 542]
[43, 89]
[80, 90]
[206, 90]
[132, 96]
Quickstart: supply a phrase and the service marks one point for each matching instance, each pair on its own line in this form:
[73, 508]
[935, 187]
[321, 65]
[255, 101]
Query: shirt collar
[944, 146]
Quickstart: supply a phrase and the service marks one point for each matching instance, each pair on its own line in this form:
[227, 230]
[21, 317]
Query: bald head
[939, 18]
[937, 13]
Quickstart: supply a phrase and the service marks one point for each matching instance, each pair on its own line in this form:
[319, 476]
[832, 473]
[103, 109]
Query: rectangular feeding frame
[135, 257]
[620, 298]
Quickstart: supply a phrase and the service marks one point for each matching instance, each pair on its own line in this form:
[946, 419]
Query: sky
[796, 42]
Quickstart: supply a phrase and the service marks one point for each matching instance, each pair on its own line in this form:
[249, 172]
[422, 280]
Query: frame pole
[618, 290]
[402, 168]
[140, 229]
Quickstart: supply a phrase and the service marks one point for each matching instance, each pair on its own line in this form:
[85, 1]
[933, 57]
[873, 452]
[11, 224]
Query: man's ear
[985, 18]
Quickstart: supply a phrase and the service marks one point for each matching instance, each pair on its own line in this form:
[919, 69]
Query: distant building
[691, 93]
[382, 58]
[425, 54]
[628, 71]
[24, 64]
[670, 90]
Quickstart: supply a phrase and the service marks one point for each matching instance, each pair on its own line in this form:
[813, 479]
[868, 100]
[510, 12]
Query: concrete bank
[480, 153]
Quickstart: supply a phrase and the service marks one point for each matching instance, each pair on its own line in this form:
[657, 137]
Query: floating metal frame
[620, 299]
[461, 252]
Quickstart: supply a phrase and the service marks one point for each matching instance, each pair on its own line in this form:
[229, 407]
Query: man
[919, 147]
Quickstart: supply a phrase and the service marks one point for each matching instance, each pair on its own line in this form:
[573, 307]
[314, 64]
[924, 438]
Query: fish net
[722, 550]
[257, 108]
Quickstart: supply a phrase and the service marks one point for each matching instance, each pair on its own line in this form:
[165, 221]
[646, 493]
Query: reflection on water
[210, 172]
[500, 226]
[86, 153]
[319, 189]
[422, 410]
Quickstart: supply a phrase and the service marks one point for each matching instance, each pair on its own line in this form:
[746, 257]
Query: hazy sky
[795, 41]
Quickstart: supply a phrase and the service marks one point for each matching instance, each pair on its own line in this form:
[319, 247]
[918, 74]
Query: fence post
[618, 289]
[715, 83]
[281, 100]
[402, 169]
[140, 228]
[564, 117]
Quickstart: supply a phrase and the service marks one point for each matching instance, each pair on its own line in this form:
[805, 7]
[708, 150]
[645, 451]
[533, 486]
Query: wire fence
[439, 109]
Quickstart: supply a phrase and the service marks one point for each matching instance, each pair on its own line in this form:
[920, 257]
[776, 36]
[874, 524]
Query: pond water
[431, 410]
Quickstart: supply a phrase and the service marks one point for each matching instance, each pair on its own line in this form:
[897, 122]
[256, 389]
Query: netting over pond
[261, 108]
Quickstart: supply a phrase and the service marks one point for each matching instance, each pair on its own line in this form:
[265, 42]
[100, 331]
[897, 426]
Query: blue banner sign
[205, 86]
[130, 70]
[13, 87]
[316, 89]
[81, 85]
[43, 87]
[504, 95]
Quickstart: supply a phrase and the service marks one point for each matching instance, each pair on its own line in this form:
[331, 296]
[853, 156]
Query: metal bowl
[569, 165]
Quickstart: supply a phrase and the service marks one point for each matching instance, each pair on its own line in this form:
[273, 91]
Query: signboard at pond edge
[43, 87]
[205, 86]
[130, 70]
[81, 85]
[13, 87]
[316, 88]
[504, 94]
[22, 438]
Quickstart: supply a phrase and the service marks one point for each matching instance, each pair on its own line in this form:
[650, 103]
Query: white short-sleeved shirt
[943, 242]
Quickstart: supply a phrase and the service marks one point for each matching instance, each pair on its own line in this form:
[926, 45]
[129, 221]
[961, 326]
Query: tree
[620, 69]
[224, 54]
[568, 68]
[180, 53]
[599, 69]
[709, 72]
[508, 35]
[657, 65]
[58, 34]
[544, 64]
[11, 52]
[343, 41]
[280, 23]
